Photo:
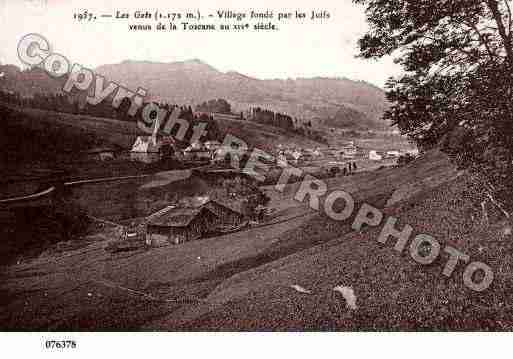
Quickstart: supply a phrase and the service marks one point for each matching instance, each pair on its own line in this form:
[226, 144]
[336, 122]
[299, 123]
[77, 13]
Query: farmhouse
[228, 213]
[154, 144]
[144, 144]
[164, 145]
[178, 225]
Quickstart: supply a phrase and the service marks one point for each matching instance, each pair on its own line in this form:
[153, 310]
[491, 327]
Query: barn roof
[183, 216]
[176, 217]
[233, 205]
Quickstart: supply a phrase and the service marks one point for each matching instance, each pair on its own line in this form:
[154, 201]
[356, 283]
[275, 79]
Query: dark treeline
[215, 106]
[286, 122]
[272, 118]
[76, 105]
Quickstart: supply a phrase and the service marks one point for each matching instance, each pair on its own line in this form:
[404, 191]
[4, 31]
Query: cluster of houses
[296, 154]
[165, 147]
[154, 147]
[228, 207]
[338, 159]
[209, 150]
[383, 155]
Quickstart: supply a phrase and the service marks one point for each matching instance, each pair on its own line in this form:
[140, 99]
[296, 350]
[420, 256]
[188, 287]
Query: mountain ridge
[317, 98]
[323, 101]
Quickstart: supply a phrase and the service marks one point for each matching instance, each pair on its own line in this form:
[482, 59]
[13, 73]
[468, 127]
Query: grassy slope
[262, 136]
[36, 141]
[86, 131]
[242, 281]
[394, 293]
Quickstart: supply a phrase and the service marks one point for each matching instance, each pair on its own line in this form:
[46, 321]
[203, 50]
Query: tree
[439, 35]
[456, 91]
[215, 106]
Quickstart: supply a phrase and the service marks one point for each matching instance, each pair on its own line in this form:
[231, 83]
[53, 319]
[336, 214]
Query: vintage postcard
[255, 166]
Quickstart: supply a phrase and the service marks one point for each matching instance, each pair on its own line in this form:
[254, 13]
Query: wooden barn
[227, 212]
[179, 225]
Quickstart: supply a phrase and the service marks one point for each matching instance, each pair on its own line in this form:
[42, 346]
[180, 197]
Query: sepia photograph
[291, 170]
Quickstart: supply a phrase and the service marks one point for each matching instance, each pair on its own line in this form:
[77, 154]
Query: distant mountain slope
[347, 117]
[193, 81]
[332, 102]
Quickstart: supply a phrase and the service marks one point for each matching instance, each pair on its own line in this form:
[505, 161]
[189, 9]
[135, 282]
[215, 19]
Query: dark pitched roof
[175, 217]
[233, 205]
[172, 216]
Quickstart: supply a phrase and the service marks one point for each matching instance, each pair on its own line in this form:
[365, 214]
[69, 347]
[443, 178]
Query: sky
[326, 47]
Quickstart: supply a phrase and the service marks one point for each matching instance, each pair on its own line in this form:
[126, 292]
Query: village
[233, 201]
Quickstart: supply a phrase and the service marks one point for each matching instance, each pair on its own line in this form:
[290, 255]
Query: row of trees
[457, 90]
[286, 122]
[76, 106]
[272, 118]
[215, 106]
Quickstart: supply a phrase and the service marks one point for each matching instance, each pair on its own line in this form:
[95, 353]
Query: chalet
[156, 143]
[164, 145]
[145, 144]
[178, 225]
[228, 213]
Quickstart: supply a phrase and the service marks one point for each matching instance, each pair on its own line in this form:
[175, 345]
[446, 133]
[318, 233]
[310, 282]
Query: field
[264, 137]
[246, 280]
[58, 136]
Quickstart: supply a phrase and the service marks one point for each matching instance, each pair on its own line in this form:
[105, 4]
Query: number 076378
[60, 344]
